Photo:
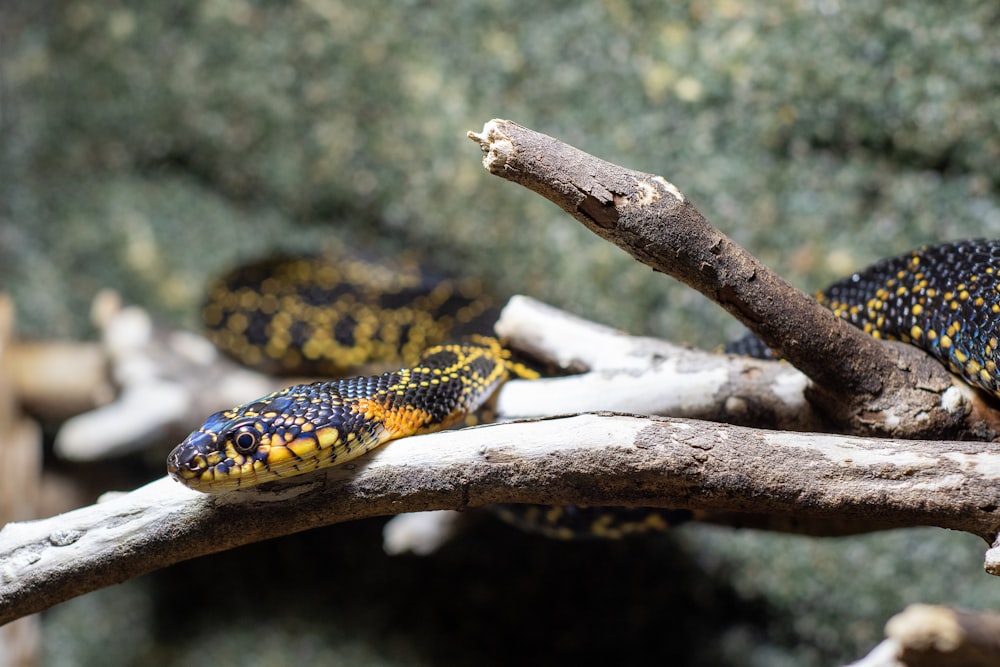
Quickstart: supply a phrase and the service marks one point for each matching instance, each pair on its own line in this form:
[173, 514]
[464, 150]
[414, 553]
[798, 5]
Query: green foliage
[822, 136]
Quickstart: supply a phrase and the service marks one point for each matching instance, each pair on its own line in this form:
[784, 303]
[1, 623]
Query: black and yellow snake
[309, 426]
[944, 299]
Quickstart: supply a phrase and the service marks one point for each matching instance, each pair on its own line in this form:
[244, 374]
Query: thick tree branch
[865, 386]
[590, 459]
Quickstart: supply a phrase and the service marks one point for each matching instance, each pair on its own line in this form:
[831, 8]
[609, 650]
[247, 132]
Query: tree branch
[931, 636]
[593, 459]
[863, 385]
[622, 373]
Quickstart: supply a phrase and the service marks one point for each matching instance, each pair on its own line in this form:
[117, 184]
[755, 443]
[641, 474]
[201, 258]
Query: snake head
[257, 442]
[225, 453]
[286, 433]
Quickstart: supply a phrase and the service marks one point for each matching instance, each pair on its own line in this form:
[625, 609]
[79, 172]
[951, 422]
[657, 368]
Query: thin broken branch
[623, 373]
[863, 385]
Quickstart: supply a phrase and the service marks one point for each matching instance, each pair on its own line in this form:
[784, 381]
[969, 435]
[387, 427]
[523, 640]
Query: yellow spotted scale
[325, 316]
[944, 299]
[310, 426]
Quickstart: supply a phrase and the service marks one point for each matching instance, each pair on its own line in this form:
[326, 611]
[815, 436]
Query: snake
[942, 298]
[309, 426]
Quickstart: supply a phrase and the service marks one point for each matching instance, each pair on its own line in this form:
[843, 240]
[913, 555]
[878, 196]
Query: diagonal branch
[865, 386]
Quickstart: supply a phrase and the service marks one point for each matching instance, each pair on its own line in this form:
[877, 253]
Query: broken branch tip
[496, 145]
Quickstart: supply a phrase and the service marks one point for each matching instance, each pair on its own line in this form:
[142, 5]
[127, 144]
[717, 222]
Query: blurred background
[148, 146]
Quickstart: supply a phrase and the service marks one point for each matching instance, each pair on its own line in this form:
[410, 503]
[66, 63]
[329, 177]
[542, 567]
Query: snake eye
[245, 439]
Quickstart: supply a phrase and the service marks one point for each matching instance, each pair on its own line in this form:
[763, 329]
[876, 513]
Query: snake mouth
[173, 465]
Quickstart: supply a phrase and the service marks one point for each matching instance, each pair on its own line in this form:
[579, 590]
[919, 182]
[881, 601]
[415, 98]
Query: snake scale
[943, 298]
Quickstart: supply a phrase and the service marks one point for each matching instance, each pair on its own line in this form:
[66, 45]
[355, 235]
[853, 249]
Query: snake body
[329, 315]
[944, 298]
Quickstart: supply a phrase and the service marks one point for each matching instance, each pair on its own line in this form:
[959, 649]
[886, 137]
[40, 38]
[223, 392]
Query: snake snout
[188, 459]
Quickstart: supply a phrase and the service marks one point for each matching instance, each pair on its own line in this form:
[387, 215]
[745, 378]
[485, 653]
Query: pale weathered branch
[595, 459]
[186, 379]
[140, 364]
[931, 636]
[864, 386]
[623, 373]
